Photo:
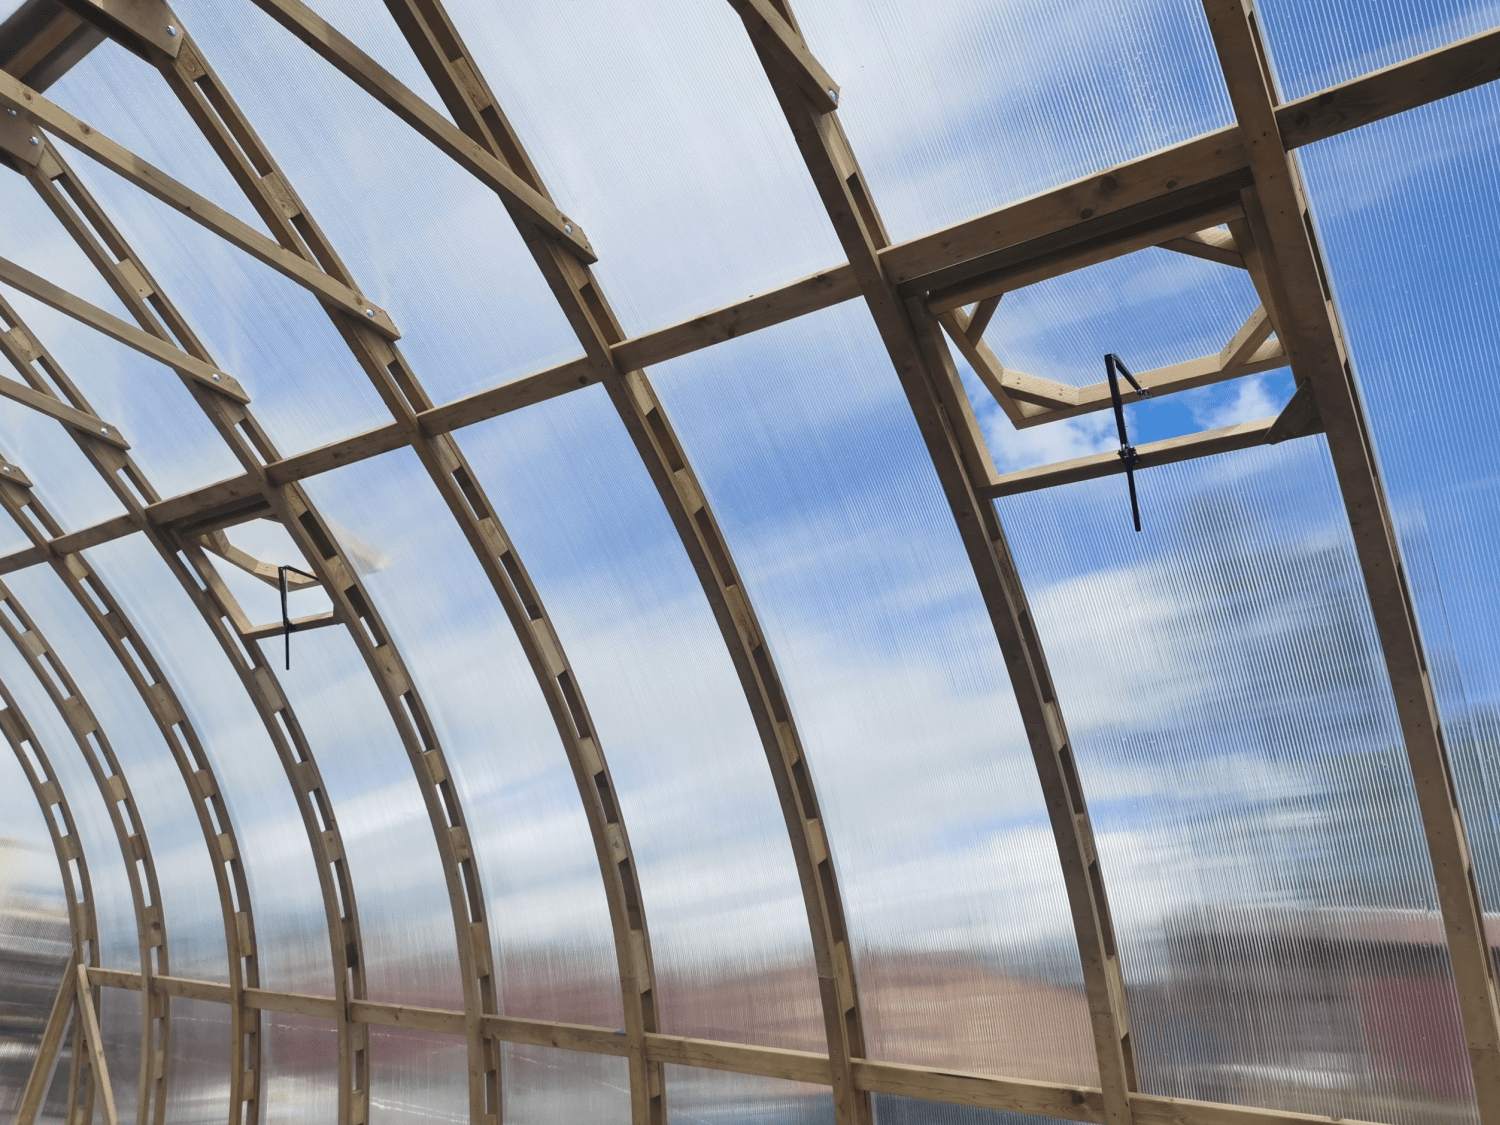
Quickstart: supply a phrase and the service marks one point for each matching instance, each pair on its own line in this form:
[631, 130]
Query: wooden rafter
[440, 50]
[93, 743]
[78, 893]
[914, 342]
[88, 1018]
[1287, 264]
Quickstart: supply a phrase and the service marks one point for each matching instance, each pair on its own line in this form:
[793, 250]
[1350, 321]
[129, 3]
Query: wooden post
[95, 1042]
[40, 1078]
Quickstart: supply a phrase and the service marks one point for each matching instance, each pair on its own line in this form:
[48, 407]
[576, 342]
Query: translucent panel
[62, 478]
[120, 1026]
[1413, 251]
[419, 1076]
[728, 926]
[264, 330]
[548, 918]
[891, 1110]
[300, 1083]
[950, 879]
[1317, 43]
[291, 940]
[1235, 733]
[744, 1099]
[35, 947]
[194, 927]
[393, 861]
[199, 1063]
[424, 238]
[960, 107]
[655, 128]
[543, 1086]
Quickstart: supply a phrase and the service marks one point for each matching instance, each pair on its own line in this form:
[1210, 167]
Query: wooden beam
[1212, 245]
[1282, 232]
[39, 1078]
[89, 1018]
[274, 629]
[1247, 339]
[1170, 451]
[339, 51]
[440, 50]
[155, 182]
[85, 425]
[41, 40]
[979, 319]
[784, 44]
[53, 296]
[1060, 1101]
[940, 408]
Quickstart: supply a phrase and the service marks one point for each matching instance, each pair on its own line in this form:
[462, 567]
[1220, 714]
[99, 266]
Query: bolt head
[104, 429]
[171, 32]
[370, 313]
[216, 376]
[12, 111]
[567, 228]
[34, 140]
[833, 96]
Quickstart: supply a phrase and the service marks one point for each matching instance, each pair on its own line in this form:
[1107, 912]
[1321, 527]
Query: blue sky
[1219, 671]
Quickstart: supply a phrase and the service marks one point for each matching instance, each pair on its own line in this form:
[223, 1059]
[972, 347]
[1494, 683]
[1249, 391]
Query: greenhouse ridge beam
[940, 408]
[104, 245]
[1056, 1100]
[1296, 293]
[78, 893]
[134, 842]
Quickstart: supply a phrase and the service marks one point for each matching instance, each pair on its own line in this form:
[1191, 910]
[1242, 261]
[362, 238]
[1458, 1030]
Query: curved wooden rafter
[196, 769]
[913, 339]
[187, 559]
[130, 833]
[78, 892]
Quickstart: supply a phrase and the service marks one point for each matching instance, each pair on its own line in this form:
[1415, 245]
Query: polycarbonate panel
[1413, 251]
[291, 942]
[114, 914]
[891, 1110]
[1235, 733]
[542, 1086]
[960, 107]
[198, 1093]
[119, 1013]
[404, 914]
[424, 238]
[1318, 43]
[62, 479]
[194, 927]
[419, 1076]
[744, 1099]
[653, 125]
[727, 920]
[35, 946]
[547, 914]
[963, 944]
[299, 1069]
[263, 329]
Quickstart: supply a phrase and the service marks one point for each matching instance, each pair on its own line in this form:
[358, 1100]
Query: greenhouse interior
[794, 562]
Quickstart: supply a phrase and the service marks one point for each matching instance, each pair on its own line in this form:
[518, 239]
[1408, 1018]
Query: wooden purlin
[185, 556]
[78, 892]
[914, 341]
[93, 744]
[457, 78]
[1059, 1101]
[1285, 260]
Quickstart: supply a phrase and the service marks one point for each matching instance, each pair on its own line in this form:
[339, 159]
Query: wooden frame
[1244, 167]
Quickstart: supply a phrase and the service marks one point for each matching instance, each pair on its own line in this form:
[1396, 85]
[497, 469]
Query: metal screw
[171, 32]
[833, 96]
[216, 376]
[370, 313]
[104, 429]
[567, 228]
[11, 111]
[35, 140]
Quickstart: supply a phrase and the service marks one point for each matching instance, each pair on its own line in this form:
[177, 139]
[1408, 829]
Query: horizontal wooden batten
[1062, 1101]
